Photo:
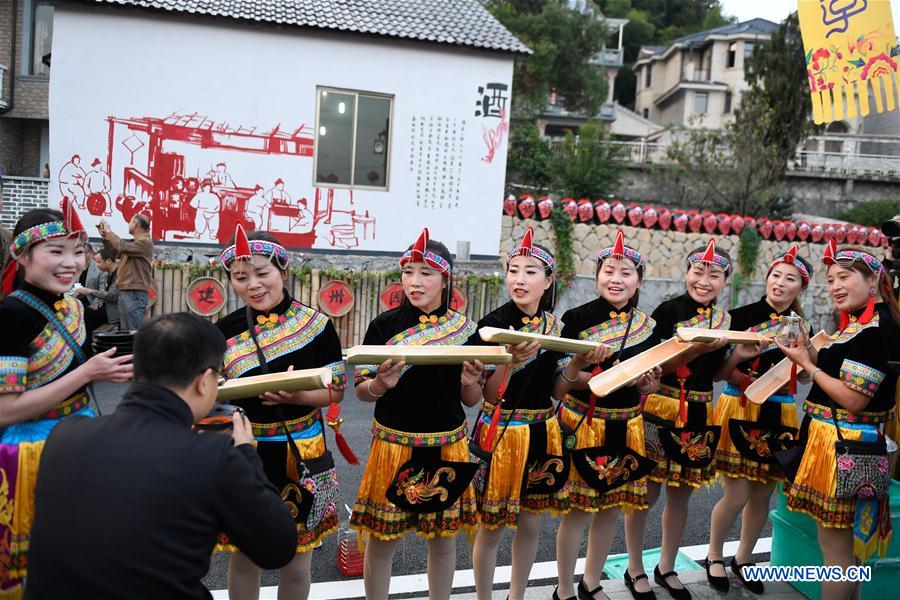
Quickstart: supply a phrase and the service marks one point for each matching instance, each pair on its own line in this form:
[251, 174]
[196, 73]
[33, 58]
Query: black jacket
[129, 505]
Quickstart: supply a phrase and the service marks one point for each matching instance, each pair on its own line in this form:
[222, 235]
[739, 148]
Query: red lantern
[545, 207]
[803, 231]
[790, 230]
[829, 233]
[664, 219]
[585, 210]
[635, 214]
[778, 229]
[709, 222]
[818, 232]
[526, 207]
[619, 212]
[509, 205]
[765, 227]
[737, 223]
[650, 217]
[570, 207]
[695, 221]
[680, 221]
[840, 234]
[724, 223]
[602, 210]
[874, 237]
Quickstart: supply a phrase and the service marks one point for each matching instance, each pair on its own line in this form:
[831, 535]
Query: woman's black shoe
[719, 583]
[556, 595]
[629, 583]
[756, 587]
[586, 594]
[660, 578]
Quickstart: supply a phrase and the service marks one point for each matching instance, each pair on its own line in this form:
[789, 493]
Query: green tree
[585, 167]
[530, 162]
[563, 41]
[872, 213]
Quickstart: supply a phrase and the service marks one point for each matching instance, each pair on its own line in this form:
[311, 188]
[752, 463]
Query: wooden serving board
[427, 355]
[288, 381]
[548, 342]
[698, 334]
[779, 375]
[627, 371]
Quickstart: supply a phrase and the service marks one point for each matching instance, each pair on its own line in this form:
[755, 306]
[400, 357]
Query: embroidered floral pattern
[852, 329]
[297, 327]
[845, 416]
[712, 317]
[544, 471]
[600, 412]
[695, 447]
[418, 488]
[612, 331]
[49, 354]
[13, 374]
[862, 378]
[403, 438]
[619, 467]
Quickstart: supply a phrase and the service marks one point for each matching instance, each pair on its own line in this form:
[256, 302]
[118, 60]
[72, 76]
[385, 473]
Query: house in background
[26, 35]
[335, 126]
[698, 80]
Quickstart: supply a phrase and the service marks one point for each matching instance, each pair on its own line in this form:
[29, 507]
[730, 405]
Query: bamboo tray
[428, 355]
[698, 334]
[779, 375]
[627, 371]
[548, 342]
[288, 381]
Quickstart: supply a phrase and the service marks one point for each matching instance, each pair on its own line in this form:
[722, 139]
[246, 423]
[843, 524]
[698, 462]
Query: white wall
[135, 65]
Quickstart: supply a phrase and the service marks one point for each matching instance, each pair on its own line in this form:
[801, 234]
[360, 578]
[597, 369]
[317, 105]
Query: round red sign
[205, 296]
[336, 298]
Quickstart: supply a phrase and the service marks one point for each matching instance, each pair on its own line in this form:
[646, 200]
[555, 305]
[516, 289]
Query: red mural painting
[149, 160]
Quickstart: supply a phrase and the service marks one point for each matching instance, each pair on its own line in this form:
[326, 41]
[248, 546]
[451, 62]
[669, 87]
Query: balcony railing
[609, 57]
[847, 164]
[3, 100]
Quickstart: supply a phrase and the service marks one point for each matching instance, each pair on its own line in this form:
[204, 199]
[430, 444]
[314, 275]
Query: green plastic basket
[617, 564]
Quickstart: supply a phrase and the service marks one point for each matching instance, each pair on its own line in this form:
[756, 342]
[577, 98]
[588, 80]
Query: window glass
[372, 129]
[701, 99]
[41, 39]
[334, 138]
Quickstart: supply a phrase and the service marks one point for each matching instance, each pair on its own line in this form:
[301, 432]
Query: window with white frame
[701, 101]
[353, 135]
[41, 38]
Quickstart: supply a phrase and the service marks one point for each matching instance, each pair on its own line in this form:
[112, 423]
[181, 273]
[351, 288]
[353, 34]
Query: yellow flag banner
[851, 52]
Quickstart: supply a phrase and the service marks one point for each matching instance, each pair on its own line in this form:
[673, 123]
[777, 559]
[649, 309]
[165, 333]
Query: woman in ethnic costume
[44, 372]
[608, 471]
[418, 475]
[680, 435]
[527, 471]
[854, 385]
[744, 456]
[290, 336]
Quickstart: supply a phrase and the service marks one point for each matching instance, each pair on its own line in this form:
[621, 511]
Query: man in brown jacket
[135, 268]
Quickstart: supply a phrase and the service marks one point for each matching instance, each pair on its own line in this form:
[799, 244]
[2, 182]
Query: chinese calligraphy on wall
[436, 153]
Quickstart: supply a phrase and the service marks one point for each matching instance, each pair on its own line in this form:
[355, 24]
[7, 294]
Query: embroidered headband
[790, 258]
[527, 248]
[845, 258]
[70, 226]
[244, 249]
[709, 257]
[619, 250]
[418, 253]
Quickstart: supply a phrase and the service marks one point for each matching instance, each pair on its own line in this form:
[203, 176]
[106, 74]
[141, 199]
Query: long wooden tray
[699, 334]
[288, 381]
[627, 371]
[779, 375]
[548, 342]
[428, 355]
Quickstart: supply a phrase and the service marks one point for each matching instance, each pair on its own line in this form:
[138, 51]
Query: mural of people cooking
[198, 178]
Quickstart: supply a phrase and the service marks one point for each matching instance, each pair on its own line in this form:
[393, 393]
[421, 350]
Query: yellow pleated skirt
[628, 497]
[729, 461]
[373, 514]
[814, 487]
[668, 471]
[503, 498]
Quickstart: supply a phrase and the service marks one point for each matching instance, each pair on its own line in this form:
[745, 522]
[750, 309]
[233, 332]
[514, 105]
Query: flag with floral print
[851, 54]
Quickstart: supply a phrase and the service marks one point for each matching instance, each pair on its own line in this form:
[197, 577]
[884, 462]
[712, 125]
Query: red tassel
[593, 402]
[792, 388]
[682, 373]
[845, 320]
[9, 276]
[492, 429]
[746, 381]
[334, 420]
[867, 314]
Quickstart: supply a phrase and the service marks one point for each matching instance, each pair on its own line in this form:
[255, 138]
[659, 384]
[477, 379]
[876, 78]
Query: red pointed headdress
[709, 257]
[420, 253]
[527, 248]
[790, 258]
[619, 250]
[244, 249]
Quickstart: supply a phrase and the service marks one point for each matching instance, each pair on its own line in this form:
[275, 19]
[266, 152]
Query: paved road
[411, 554]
